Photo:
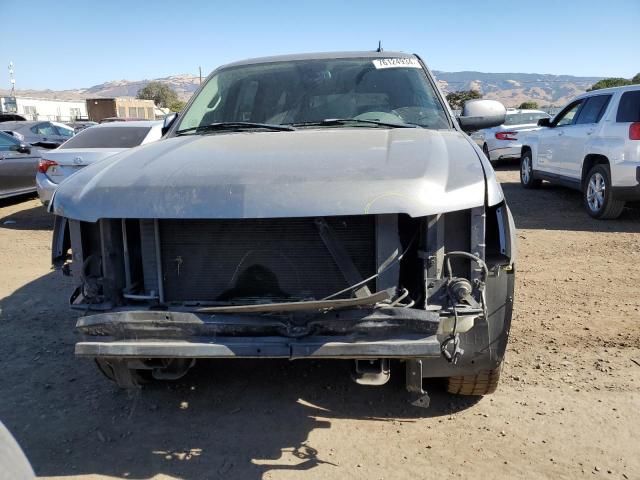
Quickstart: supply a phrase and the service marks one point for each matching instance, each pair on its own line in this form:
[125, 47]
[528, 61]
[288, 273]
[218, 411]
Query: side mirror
[168, 121]
[479, 114]
[544, 122]
[23, 148]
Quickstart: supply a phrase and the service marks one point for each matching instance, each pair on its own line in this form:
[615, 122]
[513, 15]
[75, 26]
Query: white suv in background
[502, 142]
[593, 145]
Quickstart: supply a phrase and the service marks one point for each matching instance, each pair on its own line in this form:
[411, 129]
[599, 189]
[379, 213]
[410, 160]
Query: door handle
[560, 133]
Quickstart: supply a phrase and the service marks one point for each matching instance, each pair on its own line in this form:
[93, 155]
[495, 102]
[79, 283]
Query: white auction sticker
[396, 63]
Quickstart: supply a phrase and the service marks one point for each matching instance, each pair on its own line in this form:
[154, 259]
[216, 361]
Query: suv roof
[320, 56]
[625, 88]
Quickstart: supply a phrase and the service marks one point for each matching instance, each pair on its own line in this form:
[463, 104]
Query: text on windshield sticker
[396, 63]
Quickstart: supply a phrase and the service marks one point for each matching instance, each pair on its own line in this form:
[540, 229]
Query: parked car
[301, 207]
[79, 125]
[43, 134]
[18, 164]
[501, 142]
[13, 462]
[592, 145]
[16, 135]
[9, 117]
[120, 119]
[88, 146]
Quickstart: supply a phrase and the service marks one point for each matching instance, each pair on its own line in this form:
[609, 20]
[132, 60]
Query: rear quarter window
[593, 109]
[629, 107]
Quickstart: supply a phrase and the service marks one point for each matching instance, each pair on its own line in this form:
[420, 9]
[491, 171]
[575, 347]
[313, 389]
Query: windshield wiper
[346, 121]
[236, 126]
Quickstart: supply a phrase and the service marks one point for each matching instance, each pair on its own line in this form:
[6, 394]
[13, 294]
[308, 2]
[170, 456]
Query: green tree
[177, 106]
[529, 105]
[636, 80]
[456, 99]
[161, 94]
[609, 82]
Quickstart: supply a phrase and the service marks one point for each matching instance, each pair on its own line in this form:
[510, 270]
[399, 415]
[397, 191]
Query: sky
[76, 44]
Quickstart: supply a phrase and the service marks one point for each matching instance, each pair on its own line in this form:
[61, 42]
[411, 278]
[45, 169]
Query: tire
[527, 179]
[485, 150]
[139, 377]
[483, 383]
[598, 195]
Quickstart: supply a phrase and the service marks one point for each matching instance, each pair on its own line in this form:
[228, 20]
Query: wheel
[598, 195]
[483, 383]
[137, 377]
[526, 172]
[485, 150]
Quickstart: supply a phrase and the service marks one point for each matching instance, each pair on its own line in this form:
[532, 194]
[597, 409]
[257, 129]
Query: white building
[40, 109]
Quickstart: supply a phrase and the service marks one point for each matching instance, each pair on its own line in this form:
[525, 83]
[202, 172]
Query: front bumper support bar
[266, 347]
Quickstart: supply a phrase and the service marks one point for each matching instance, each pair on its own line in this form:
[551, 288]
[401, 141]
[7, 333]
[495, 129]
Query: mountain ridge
[509, 88]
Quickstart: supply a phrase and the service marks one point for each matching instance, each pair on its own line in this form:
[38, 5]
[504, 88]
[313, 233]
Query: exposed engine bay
[380, 282]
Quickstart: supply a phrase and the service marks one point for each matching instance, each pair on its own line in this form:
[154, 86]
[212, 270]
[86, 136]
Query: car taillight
[44, 164]
[506, 135]
[634, 131]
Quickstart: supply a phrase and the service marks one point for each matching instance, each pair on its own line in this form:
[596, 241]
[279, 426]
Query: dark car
[10, 117]
[18, 166]
[302, 207]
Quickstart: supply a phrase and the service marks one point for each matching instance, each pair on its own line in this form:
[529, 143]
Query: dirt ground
[568, 405]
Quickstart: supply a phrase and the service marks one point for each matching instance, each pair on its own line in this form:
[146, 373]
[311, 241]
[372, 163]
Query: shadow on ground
[553, 207]
[32, 218]
[226, 419]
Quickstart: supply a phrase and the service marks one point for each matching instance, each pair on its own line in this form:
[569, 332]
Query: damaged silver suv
[303, 207]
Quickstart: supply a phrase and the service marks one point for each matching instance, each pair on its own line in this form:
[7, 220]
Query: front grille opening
[258, 260]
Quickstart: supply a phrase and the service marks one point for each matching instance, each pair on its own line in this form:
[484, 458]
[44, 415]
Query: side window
[593, 109]
[6, 142]
[567, 115]
[629, 107]
[44, 129]
[65, 132]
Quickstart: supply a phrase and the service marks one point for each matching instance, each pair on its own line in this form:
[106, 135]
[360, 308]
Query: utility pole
[12, 80]
[200, 70]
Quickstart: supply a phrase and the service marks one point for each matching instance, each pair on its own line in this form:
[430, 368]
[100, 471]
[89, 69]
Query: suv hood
[308, 172]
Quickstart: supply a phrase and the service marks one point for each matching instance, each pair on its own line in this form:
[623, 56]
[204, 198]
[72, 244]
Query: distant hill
[514, 88]
[510, 88]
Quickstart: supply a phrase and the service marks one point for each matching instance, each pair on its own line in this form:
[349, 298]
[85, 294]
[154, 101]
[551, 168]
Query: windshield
[307, 91]
[524, 118]
[108, 137]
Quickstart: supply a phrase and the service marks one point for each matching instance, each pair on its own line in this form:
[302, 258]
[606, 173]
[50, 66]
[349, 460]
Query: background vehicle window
[6, 142]
[107, 137]
[629, 108]
[64, 132]
[566, 117]
[593, 109]
[44, 129]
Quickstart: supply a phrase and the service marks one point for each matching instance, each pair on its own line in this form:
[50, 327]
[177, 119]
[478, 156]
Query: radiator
[278, 259]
